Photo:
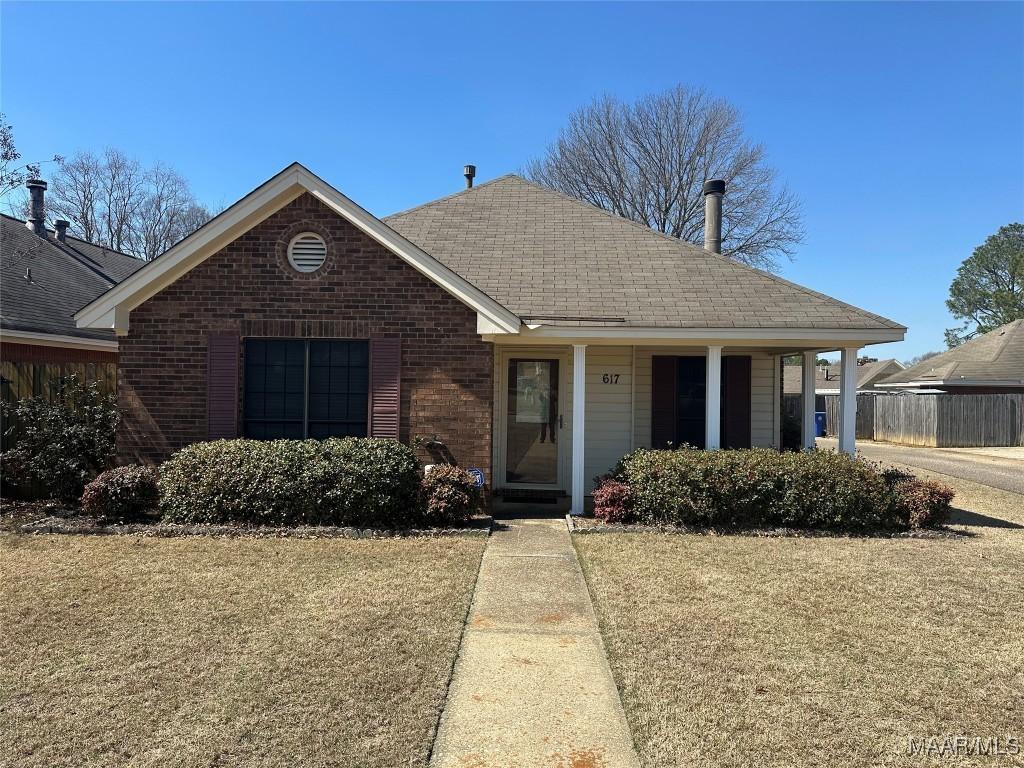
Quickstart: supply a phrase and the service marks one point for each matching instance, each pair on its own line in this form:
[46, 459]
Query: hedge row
[761, 487]
[357, 482]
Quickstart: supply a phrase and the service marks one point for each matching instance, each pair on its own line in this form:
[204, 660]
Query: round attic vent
[307, 252]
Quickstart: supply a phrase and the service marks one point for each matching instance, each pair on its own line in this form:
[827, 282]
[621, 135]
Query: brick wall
[363, 290]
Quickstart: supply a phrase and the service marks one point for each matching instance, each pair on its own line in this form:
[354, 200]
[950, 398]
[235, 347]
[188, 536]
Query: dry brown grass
[737, 651]
[209, 652]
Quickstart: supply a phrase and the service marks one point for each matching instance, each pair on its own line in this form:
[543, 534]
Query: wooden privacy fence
[21, 380]
[935, 420]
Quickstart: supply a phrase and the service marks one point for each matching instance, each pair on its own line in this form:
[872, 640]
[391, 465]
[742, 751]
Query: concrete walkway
[532, 686]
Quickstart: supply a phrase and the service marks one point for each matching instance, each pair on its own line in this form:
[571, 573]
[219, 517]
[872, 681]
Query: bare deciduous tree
[648, 162]
[112, 200]
[13, 176]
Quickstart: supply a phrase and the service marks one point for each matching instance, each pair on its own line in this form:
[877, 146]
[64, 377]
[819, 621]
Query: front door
[533, 418]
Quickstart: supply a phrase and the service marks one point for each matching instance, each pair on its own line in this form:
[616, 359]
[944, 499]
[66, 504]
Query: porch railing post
[579, 402]
[848, 401]
[713, 400]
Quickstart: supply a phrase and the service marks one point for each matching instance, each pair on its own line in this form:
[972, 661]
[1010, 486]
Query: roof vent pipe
[37, 206]
[469, 172]
[61, 225]
[713, 191]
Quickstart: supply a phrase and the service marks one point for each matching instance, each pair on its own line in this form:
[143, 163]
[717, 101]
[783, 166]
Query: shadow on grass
[966, 517]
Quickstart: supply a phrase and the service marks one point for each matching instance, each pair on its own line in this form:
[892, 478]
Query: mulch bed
[590, 525]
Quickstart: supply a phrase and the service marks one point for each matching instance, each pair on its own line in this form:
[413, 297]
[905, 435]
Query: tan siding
[762, 395]
[608, 417]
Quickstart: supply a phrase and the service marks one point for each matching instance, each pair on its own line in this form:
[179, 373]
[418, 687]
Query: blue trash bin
[819, 424]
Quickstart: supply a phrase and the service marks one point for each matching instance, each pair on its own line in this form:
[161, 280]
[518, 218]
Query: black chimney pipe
[61, 225]
[37, 206]
[469, 172]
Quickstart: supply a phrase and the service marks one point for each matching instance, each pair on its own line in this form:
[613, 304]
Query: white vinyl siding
[762, 392]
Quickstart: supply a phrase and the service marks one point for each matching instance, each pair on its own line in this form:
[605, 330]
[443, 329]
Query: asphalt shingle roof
[64, 278]
[995, 356]
[827, 377]
[551, 258]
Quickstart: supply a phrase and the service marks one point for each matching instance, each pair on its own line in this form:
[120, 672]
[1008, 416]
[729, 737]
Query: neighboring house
[507, 327]
[45, 277]
[988, 364]
[826, 378]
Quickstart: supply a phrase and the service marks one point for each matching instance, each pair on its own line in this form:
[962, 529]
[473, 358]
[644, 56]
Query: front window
[298, 388]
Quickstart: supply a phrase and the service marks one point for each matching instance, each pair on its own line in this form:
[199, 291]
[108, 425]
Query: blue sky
[900, 126]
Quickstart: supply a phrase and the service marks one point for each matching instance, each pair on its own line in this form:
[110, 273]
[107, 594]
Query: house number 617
[610, 378]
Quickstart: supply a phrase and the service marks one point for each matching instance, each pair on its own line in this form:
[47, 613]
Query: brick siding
[363, 290]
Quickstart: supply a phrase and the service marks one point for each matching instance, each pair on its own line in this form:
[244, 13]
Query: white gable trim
[112, 309]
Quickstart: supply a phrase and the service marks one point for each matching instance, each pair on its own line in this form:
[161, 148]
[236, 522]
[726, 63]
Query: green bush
[366, 482]
[449, 495]
[122, 493]
[61, 444]
[762, 487]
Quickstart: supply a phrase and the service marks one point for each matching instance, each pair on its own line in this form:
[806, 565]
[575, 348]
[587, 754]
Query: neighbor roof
[64, 276]
[993, 359]
[826, 378]
[552, 259]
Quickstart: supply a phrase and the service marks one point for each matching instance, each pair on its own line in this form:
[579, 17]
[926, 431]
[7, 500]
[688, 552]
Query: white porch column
[579, 404]
[713, 401]
[848, 401]
[807, 405]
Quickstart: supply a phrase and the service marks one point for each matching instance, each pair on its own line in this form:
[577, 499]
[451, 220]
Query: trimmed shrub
[64, 443]
[122, 493]
[922, 503]
[366, 482]
[762, 487]
[613, 501]
[449, 495]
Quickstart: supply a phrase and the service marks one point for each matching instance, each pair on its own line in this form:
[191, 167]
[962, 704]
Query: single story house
[508, 327]
[992, 363]
[827, 377]
[45, 277]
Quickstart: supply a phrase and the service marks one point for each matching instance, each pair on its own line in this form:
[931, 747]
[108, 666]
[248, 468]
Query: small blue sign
[478, 476]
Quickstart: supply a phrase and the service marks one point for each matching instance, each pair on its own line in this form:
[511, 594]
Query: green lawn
[740, 651]
[131, 651]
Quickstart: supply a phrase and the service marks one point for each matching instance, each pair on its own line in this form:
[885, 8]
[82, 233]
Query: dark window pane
[319, 353]
[319, 406]
[319, 379]
[357, 407]
[339, 353]
[274, 405]
[294, 405]
[358, 380]
[254, 405]
[359, 353]
[296, 353]
[255, 352]
[275, 378]
[339, 380]
[295, 378]
[277, 352]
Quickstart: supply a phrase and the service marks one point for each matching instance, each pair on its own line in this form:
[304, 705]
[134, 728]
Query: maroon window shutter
[385, 387]
[663, 401]
[736, 401]
[222, 384]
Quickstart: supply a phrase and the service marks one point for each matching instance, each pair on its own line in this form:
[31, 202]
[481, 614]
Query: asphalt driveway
[977, 465]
